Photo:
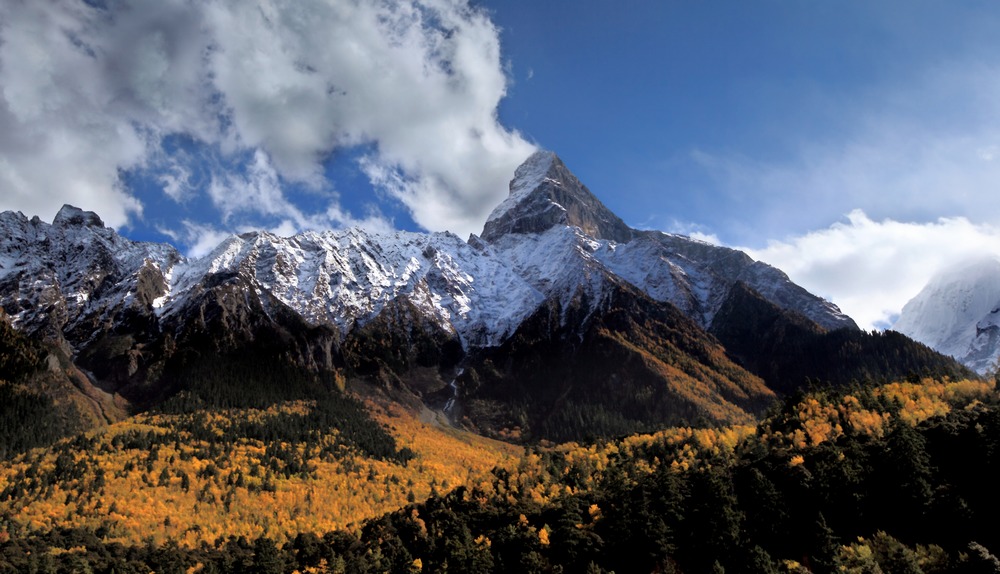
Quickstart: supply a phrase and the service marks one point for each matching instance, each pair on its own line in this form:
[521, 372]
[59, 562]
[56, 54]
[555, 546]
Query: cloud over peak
[274, 88]
[872, 268]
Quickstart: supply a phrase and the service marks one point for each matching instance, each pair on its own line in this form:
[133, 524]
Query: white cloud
[200, 238]
[915, 167]
[692, 230]
[988, 153]
[872, 268]
[88, 91]
[58, 143]
[918, 150]
[285, 229]
[373, 220]
[257, 191]
[176, 181]
[706, 237]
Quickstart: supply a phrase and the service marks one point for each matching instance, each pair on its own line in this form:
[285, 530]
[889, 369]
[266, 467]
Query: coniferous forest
[255, 467]
[891, 478]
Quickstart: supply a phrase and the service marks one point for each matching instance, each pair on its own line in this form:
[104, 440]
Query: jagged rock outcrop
[545, 194]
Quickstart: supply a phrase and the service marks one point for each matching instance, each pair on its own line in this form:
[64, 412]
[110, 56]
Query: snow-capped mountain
[70, 277]
[344, 278]
[549, 211]
[551, 239]
[958, 313]
[557, 309]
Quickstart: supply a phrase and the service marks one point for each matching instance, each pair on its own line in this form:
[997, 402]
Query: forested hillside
[549, 383]
[43, 400]
[786, 349]
[897, 478]
[190, 478]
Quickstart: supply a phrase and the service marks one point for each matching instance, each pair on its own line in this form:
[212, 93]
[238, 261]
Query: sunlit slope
[196, 477]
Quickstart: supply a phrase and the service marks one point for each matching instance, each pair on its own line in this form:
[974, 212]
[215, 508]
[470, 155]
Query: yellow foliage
[595, 512]
[793, 567]
[195, 491]
[142, 494]
[818, 420]
[543, 536]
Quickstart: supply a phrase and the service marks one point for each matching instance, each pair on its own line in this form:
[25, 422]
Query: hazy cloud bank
[872, 268]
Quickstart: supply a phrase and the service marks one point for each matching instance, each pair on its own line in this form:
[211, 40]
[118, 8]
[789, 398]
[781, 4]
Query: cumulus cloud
[91, 89]
[692, 230]
[872, 268]
[256, 190]
[58, 143]
[373, 220]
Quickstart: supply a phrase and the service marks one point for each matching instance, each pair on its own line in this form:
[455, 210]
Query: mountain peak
[69, 215]
[955, 313]
[544, 194]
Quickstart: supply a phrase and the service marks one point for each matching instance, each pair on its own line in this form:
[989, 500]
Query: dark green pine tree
[906, 481]
[823, 556]
[712, 522]
[266, 557]
[758, 561]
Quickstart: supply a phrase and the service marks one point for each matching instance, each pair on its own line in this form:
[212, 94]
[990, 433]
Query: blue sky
[853, 144]
[664, 106]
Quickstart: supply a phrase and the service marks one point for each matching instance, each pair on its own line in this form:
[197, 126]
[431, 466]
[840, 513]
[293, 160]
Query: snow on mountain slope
[348, 276]
[666, 275]
[77, 273]
[693, 275]
[551, 240]
[74, 272]
[958, 313]
[559, 263]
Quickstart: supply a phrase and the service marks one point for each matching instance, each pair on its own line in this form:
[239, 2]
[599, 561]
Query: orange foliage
[142, 492]
[193, 492]
[818, 418]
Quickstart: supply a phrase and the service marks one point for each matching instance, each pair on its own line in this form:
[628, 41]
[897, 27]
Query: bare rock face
[70, 215]
[545, 194]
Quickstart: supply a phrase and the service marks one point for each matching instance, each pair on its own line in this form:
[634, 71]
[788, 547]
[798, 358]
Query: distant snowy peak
[956, 313]
[544, 194]
[945, 312]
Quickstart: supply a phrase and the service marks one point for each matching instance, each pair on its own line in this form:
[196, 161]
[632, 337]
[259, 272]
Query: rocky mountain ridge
[555, 280]
[481, 290]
